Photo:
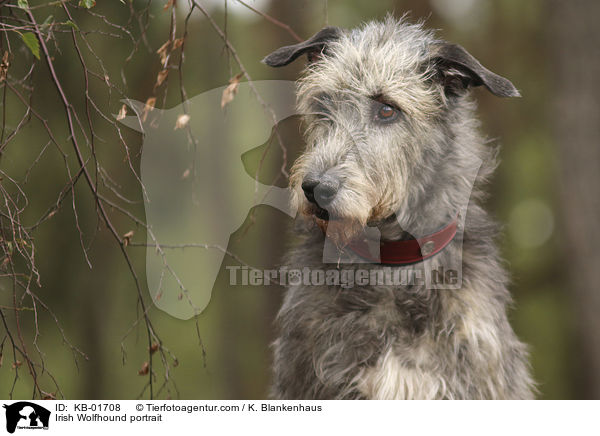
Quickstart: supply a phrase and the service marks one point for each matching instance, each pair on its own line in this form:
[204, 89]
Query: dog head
[389, 125]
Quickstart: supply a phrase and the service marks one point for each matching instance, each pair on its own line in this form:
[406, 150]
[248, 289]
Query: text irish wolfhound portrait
[391, 138]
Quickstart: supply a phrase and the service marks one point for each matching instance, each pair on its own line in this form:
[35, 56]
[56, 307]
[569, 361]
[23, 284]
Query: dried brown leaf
[182, 121]
[148, 108]
[160, 78]
[164, 51]
[145, 369]
[177, 43]
[4, 67]
[5, 262]
[231, 90]
[127, 238]
[122, 113]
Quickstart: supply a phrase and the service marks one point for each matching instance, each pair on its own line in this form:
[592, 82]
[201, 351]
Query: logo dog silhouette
[30, 412]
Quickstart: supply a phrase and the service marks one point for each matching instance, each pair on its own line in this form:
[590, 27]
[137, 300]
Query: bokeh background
[546, 191]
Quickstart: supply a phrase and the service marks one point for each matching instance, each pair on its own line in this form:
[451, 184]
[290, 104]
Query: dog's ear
[313, 48]
[458, 70]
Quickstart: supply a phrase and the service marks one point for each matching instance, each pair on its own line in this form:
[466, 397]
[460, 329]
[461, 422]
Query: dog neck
[408, 250]
[405, 248]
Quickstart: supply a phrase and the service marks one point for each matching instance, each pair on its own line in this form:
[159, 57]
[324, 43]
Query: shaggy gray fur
[409, 342]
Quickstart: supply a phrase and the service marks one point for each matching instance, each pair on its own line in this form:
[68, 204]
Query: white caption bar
[299, 417]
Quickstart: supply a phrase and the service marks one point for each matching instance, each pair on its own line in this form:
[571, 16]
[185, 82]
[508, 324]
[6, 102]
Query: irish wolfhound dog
[391, 139]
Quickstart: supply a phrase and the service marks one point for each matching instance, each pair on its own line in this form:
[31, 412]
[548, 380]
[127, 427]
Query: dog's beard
[340, 230]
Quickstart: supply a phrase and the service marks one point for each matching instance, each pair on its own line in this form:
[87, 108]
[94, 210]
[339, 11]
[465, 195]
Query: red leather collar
[409, 251]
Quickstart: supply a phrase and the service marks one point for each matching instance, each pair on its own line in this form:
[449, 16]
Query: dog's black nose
[320, 192]
[308, 186]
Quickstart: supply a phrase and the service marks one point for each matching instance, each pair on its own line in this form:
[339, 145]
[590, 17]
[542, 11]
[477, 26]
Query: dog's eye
[384, 113]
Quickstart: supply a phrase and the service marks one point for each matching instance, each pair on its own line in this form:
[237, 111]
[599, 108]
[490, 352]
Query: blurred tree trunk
[574, 48]
[235, 319]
